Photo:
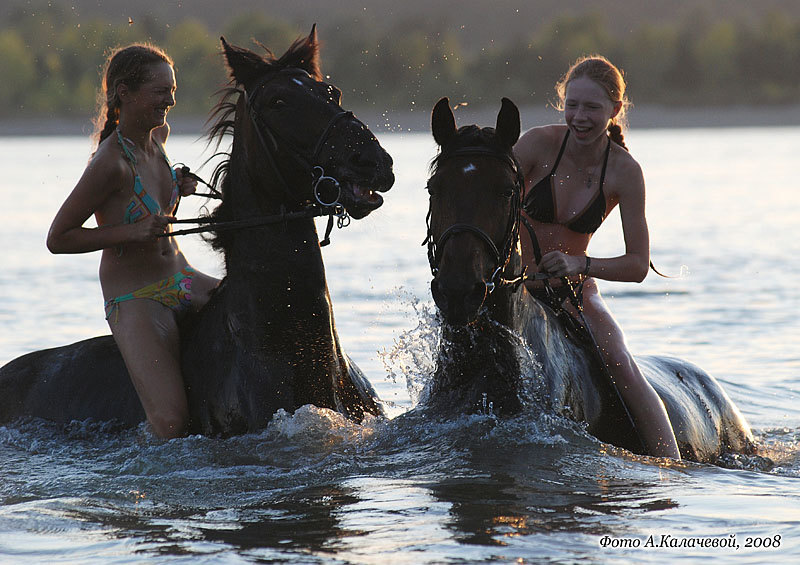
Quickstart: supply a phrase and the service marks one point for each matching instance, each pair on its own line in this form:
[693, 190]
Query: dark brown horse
[475, 256]
[267, 339]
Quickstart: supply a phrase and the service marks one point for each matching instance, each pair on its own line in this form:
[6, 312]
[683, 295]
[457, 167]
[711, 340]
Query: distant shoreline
[640, 117]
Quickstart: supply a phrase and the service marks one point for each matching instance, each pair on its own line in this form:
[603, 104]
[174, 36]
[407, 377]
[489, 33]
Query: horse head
[473, 220]
[310, 147]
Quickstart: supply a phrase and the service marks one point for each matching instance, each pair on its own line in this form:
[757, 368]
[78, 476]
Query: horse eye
[277, 103]
[507, 192]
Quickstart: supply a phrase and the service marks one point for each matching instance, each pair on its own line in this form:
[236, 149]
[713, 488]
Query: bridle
[322, 185]
[309, 163]
[502, 254]
[502, 259]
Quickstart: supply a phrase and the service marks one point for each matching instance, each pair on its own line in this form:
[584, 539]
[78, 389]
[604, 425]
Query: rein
[311, 210]
[322, 184]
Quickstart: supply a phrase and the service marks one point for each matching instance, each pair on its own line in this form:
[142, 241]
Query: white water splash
[413, 355]
[415, 352]
[321, 426]
[533, 390]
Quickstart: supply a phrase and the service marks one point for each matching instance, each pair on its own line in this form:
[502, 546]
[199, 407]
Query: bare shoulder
[629, 179]
[539, 136]
[107, 170]
[103, 181]
[535, 146]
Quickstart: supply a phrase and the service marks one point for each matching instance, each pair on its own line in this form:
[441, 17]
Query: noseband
[501, 258]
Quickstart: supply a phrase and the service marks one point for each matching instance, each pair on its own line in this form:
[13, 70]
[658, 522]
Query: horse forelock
[468, 136]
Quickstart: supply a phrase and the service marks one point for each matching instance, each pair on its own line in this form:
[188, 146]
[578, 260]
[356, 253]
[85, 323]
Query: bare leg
[641, 399]
[146, 333]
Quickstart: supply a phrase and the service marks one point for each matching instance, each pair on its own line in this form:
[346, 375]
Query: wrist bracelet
[588, 263]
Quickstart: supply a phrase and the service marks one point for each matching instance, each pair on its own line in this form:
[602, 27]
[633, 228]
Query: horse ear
[303, 54]
[508, 127]
[309, 61]
[244, 65]
[443, 123]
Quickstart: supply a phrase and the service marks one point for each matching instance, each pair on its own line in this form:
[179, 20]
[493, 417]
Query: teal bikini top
[142, 204]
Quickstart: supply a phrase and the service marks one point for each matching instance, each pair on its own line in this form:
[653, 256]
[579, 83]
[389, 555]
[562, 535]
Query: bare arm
[100, 181]
[633, 265]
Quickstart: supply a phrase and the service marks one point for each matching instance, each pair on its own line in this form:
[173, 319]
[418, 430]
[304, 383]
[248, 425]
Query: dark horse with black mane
[478, 286]
[266, 340]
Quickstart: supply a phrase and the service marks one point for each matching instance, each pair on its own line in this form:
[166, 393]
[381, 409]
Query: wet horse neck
[278, 299]
[477, 367]
[280, 265]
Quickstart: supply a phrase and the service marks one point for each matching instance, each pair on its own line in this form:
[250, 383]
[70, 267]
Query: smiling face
[149, 104]
[588, 110]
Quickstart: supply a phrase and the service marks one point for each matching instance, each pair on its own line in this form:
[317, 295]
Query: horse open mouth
[360, 200]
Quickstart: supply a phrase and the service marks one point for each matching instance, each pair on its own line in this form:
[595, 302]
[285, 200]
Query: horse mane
[220, 124]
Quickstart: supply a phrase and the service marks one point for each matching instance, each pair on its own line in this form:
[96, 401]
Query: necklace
[586, 170]
[589, 175]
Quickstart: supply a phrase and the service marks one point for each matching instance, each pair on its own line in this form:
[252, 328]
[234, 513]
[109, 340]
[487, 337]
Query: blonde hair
[603, 72]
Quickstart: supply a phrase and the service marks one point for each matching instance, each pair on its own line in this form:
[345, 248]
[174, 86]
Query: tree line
[51, 60]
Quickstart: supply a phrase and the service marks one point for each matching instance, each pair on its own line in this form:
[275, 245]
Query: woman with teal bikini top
[142, 204]
[175, 291]
[146, 280]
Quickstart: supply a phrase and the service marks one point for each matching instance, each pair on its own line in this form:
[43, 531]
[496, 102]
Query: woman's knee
[169, 421]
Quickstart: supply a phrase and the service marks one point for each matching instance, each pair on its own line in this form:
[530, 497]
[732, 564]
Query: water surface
[314, 488]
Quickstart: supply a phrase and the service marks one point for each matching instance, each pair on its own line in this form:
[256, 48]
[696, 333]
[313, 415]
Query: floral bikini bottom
[174, 292]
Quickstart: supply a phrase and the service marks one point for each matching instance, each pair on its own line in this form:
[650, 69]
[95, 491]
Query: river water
[723, 212]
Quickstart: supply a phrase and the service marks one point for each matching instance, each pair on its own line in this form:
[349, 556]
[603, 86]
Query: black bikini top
[540, 205]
